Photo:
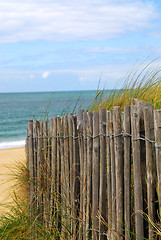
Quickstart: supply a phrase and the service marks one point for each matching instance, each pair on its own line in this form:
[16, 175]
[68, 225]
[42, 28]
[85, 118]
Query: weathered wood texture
[94, 175]
[157, 129]
[150, 166]
[85, 173]
[109, 179]
[119, 166]
[81, 152]
[113, 176]
[127, 171]
[31, 168]
[89, 170]
[103, 175]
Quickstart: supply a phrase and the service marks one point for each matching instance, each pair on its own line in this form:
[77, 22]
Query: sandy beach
[8, 159]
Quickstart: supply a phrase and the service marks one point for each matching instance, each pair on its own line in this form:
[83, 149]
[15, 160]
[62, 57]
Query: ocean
[17, 108]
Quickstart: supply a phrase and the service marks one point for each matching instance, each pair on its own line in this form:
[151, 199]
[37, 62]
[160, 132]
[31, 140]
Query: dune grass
[143, 83]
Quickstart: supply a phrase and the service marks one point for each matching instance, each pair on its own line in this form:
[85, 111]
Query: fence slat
[31, 172]
[66, 172]
[39, 171]
[89, 171]
[95, 173]
[76, 179]
[53, 203]
[58, 199]
[35, 166]
[150, 166]
[81, 153]
[109, 180]
[138, 192]
[157, 127]
[113, 176]
[85, 173]
[71, 167]
[119, 161]
[45, 151]
[103, 175]
[48, 173]
[127, 171]
[62, 179]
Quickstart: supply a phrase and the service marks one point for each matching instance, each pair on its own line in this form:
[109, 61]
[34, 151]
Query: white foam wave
[15, 144]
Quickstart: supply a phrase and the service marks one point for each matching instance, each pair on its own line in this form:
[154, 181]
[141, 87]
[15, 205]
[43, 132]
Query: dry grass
[144, 83]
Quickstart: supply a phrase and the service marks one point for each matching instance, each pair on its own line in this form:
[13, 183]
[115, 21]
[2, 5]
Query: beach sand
[8, 159]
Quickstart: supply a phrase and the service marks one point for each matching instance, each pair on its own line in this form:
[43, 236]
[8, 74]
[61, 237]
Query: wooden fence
[97, 175]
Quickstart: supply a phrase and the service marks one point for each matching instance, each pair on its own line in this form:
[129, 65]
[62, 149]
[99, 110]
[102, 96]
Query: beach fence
[97, 175]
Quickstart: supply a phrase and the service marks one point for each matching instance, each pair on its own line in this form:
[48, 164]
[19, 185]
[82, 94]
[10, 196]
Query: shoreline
[12, 148]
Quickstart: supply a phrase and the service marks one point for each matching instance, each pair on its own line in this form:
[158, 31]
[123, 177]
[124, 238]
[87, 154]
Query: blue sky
[49, 45]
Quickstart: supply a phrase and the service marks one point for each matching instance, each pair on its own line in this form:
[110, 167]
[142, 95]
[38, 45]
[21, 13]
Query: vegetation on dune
[143, 83]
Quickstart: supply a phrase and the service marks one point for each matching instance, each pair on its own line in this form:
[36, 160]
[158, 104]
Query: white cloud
[72, 20]
[84, 78]
[45, 74]
[32, 76]
[81, 79]
[112, 49]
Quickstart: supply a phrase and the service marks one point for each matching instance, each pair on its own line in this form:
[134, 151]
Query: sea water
[17, 108]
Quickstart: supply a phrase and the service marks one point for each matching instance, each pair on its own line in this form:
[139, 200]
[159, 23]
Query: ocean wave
[15, 144]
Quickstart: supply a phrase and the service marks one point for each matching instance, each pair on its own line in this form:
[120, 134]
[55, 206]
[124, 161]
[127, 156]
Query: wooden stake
[103, 174]
[157, 127]
[127, 171]
[81, 152]
[109, 180]
[95, 173]
[113, 176]
[89, 171]
[85, 173]
[150, 165]
[138, 190]
[119, 161]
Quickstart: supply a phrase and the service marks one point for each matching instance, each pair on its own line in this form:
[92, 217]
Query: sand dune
[8, 159]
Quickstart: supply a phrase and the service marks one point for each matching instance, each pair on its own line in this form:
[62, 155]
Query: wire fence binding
[123, 134]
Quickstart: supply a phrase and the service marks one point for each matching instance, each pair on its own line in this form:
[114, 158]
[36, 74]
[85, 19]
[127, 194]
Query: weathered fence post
[48, 173]
[31, 174]
[157, 129]
[76, 178]
[103, 175]
[81, 153]
[35, 167]
[53, 203]
[119, 161]
[58, 196]
[95, 174]
[138, 191]
[66, 171]
[109, 180]
[89, 171]
[39, 171]
[45, 152]
[127, 171]
[113, 176]
[62, 179]
[150, 165]
[71, 167]
[85, 173]
[141, 128]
